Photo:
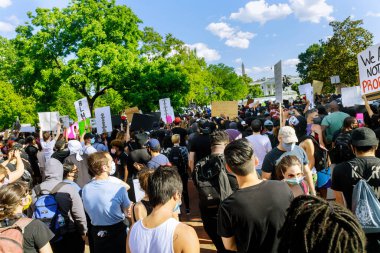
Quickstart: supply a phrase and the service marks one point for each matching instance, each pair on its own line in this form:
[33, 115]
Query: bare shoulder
[185, 235]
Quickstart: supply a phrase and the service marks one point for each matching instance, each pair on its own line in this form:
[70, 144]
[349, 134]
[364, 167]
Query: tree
[91, 45]
[7, 59]
[309, 62]
[14, 105]
[255, 91]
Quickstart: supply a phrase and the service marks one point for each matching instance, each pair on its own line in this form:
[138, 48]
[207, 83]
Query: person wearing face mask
[70, 174]
[80, 160]
[107, 204]
[70, 206]
[287, 144]
[289, 169]
[313, 127]
[120, 158]
[14, 198]
[87, 139]
[159, 232]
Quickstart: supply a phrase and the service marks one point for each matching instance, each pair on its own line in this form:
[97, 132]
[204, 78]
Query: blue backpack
[46, 209]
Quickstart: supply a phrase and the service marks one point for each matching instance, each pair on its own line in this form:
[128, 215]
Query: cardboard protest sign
[278, 81]
[142, 122]
[167, 112]
[103, 120]
[317, 87]
[84, 126]
[48, 120]
[130, 111]
[369, 71]
[139, 193]
[351, 96]
[65, 121]
[27, 128]
[227, 108]
[82, 109]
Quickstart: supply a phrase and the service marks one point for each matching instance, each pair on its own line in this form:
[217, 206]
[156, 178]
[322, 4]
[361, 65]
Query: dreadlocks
[315, 225]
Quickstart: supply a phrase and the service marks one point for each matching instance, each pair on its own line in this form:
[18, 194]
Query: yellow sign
[317, 87]
[130, 111]
[226, 108]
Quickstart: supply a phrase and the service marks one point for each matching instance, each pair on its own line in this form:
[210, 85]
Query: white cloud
[234, 37]
[14, 20]
[260, 11]
[291, 62]
[205, 52]
[373, 14]
[238, 60]
[5, 3]
[257, 70]
[6, 27]
[312, 10]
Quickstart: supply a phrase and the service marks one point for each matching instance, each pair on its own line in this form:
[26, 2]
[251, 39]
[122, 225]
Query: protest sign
[139, 193]
[71, 131]
[142, 122]
[302, 88]
[335, 79]
[93, 123]
[27, 128]
[103, 120]
[369, 71]
[84, 126]
[82, 109]
[65, 121]
[309, 95]
[278, 81]
[130, 111]
[167, 112]
[351, 96]
[226, 108]
[317, 87]
[48, 120]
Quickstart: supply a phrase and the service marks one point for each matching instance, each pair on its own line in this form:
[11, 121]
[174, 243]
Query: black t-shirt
[121, 162]
[255, 215]
[344, 177]
[182, 132]
[201, 145]
[36, 235]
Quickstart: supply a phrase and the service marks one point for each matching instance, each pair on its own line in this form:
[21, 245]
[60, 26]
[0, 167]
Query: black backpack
[211, 180]
[320, 154]
[177, 159]
[342, 150]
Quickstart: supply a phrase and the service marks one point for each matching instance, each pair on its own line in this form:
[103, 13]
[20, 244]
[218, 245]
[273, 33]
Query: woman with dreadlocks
[314, 225]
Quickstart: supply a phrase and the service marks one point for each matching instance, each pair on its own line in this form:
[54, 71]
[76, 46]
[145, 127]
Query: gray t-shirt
[157, 161]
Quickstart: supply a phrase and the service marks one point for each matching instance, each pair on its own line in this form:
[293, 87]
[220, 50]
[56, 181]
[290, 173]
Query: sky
[258, 33]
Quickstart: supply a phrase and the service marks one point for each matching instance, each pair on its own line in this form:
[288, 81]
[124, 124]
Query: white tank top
[157, 240]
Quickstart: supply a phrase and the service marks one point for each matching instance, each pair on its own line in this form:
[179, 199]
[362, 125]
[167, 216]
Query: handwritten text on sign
[369, 69]
[103, 119]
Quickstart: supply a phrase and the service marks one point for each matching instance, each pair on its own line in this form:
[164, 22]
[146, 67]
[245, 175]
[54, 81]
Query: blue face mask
[288, 146]
[177, 206]
[92, 140]
[294, 180]
[113, 168]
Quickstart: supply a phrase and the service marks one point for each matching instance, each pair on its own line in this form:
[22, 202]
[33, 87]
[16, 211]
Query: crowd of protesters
[277, 178]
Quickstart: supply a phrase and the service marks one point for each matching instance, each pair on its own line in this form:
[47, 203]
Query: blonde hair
[10, 198]
[176, 138]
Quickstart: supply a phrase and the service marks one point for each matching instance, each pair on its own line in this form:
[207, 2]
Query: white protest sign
[309, 95]
[335, 79]
[167, 112]
[48, 120]
[93, 123]
[278, 81]
[351, 96]
[103, 120]
[82, 109]
[65, 121]
[139, 193]
[302, 88]
[27, 128]
[369, 69]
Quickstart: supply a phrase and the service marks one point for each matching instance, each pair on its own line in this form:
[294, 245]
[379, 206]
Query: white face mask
[113, 168]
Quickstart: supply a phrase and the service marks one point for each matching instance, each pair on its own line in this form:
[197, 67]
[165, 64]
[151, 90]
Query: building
[269, 88]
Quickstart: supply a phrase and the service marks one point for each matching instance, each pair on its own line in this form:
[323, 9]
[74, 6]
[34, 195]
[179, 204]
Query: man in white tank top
[159, 232]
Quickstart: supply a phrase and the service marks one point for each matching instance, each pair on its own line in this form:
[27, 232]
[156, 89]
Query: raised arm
[58, 131]
[367, 107]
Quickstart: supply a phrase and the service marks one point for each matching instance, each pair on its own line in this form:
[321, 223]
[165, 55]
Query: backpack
[46, 209]
[272, 139]
[342, 150]
[211, 180]
[176, 158]
[320, 155]
[11, 238]
[365, 205]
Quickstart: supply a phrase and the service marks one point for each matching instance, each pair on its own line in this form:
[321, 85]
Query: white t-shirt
[261, 146]
[47, 148]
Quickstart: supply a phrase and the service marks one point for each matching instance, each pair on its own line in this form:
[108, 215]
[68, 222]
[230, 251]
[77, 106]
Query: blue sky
[258, 33]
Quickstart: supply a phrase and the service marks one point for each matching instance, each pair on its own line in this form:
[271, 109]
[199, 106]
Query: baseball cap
[177, 120]
[364, 136]
[153, 144]
[268, 123]
[288, 134]
[88, 136]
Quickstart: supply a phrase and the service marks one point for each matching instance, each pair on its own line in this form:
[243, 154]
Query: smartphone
[360, 119]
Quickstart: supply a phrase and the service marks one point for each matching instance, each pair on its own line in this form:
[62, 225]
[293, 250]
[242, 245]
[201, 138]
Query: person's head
[120, 136]
[143, 176]
[117, 147]
[316, 225]
[290, 169]
[70, 171]
[3, 175]
[176, 138]
[219, 138]
[233, 134]
[256, 126]
[364, 141]
[100, 163]
[153, 145]
[164, 186]
[240, 158]
[30, 140]
[268, 125]
[177, 121]
[89, 138]
[350, 123]
[60, 145]
[14, 198]
[334, 106]
[46, 136]
[287, 138]
[312, 116]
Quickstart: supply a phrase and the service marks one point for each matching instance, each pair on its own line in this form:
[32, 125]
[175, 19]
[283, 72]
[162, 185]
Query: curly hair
[10, 198]
[314, 225]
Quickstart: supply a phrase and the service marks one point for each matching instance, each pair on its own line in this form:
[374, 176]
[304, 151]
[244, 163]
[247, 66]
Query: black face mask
[317, 120]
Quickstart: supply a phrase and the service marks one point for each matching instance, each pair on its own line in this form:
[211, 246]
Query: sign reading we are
[369, 70]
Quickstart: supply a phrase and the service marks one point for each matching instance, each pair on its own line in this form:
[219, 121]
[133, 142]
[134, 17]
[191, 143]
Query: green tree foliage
[14, 105]
[113, 99]
[92, 45]
[255, 91]
[336, 56]
[64, 102]
[7, 59]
